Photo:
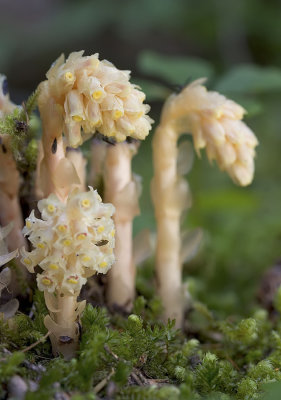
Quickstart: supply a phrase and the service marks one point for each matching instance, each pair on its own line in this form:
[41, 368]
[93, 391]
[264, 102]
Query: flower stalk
[121, 189]
[215, 124]
[73, 241]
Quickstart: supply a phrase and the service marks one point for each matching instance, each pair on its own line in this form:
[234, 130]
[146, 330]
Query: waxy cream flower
[92, 95]
[72, 242]
[215, 124]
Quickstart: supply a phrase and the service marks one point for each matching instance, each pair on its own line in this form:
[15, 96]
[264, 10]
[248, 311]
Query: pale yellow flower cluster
[95, 96]
[215, 123]
[71, 242]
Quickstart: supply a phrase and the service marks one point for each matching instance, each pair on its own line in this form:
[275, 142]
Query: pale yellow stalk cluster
[72, 241]
[92, 95]
[10, 210]
[215, 124]
[81, 96]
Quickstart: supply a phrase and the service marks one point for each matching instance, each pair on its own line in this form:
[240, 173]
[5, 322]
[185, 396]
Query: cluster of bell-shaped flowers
[93, 95]
[71, 242]
[216, 124]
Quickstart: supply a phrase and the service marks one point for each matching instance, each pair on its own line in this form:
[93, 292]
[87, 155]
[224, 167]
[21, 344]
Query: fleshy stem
[169, 192]
[63, 323]
[121, 191]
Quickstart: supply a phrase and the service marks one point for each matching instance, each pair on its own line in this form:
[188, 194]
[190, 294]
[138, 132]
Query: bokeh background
[237, 45]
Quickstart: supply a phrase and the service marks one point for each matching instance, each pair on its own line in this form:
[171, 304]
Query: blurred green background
[237, 45]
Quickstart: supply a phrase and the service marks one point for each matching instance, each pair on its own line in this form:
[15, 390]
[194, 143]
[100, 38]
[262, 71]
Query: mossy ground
[137, 357]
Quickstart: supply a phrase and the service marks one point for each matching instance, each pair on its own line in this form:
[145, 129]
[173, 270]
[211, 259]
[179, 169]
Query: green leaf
[174, 69]
[250, 79]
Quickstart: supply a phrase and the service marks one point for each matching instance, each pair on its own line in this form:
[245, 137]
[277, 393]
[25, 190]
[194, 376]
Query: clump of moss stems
[19, 126]
[139, 357]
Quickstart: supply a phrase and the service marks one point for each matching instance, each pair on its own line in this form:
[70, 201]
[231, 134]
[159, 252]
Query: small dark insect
[102, 243]
[65, 340]
[4, 149]
[5, 87]
[21, 126]
[54, 146]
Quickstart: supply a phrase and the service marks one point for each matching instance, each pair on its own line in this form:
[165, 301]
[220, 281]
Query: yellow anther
[67, 242]
[27, 261]
[77, 118]
[28, 224]
[51, 208]
[68, 76]
[62, 228]
[112, 233]
[103, 264]
[53, 266]
[86, 258]
[41, 246]
[100, 229]
[97, 94]
[73, 281]
[82, 236]
[46, 281]
[117, 114]
[85, 203]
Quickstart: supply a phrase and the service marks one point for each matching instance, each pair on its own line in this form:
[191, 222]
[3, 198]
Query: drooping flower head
[216, 124]
[93, 95]
[71, 242]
